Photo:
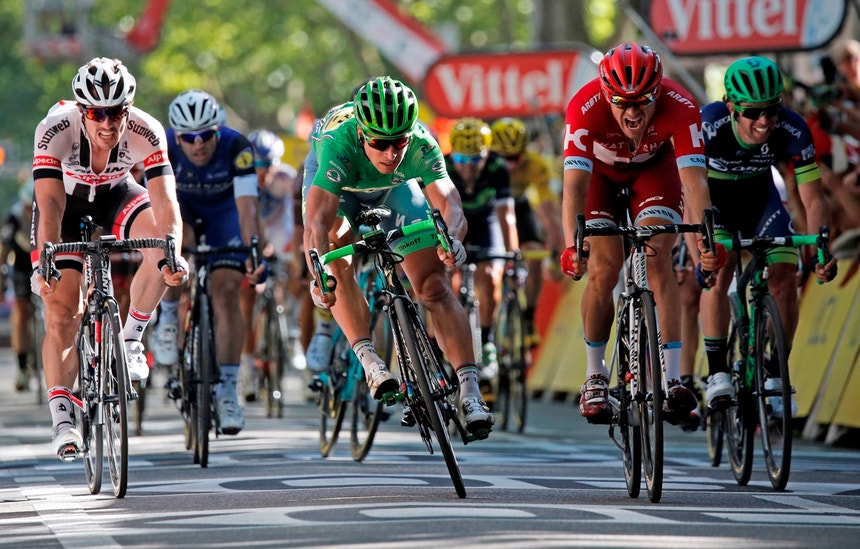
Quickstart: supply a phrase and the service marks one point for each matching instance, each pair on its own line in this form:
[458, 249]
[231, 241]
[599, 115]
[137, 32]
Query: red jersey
[591, 132]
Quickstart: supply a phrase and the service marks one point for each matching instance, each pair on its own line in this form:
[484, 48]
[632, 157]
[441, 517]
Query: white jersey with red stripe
[62, 151]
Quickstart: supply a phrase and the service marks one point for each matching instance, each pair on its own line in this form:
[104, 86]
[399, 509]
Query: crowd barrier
[824, 363]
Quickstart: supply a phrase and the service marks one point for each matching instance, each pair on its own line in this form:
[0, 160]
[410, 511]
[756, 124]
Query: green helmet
[385, 108]
[753, 80]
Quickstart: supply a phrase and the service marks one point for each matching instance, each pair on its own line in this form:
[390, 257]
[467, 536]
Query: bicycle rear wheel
[628, 413]
[511, 392]
[115, 397]
[650, 397]
[430, 376]
[739, 420]
[776, 435]
[87, 417]
[205, 364]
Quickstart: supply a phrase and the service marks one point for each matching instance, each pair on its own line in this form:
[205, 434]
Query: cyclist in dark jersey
[745, 135]
[216, 183]
[484, 183]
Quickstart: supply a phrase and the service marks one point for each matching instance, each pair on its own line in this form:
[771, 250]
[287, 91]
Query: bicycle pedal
[316, 385]
[408, 418]
[604, 418]
[68, 453]
[480, 434]
[389, 398]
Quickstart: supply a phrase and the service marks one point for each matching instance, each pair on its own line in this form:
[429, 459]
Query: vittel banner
[492, 85]
[708, 27]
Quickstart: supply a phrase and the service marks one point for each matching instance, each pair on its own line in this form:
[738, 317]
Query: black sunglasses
[754, 113]
[99, 114]
[192, 137]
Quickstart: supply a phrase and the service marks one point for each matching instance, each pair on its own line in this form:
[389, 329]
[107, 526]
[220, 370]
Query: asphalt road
[560, 484]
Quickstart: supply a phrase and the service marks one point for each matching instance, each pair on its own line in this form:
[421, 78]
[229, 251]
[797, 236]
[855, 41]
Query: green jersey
[343, 166]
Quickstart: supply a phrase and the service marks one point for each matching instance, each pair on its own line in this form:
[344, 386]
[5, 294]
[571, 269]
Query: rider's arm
[162, 196]
[443, 195]
[50, 198]
[576, 184]
[320, 215]
[508, 221]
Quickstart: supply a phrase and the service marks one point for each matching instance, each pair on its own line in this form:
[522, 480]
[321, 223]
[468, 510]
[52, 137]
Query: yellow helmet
[470, 136]
[510, 136]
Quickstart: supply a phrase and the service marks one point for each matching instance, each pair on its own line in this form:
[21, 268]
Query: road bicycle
[270, 348]
[103, 390]
[509, 393]
[199, 372]
[757, 351]
[342, 384]
[426, 390]
[640, 393]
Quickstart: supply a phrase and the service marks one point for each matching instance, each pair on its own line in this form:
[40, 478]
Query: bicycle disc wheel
[366, 411]
[776, 435]
[86, 420]
[650, 397]
[628, 414]
[206, 367]
[428, 373]
[332, 406]
[115, 395]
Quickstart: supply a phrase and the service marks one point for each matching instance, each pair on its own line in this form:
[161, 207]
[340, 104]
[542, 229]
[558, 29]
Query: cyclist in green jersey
[372, 159]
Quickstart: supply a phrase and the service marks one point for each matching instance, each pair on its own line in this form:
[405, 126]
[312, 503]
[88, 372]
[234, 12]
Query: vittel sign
[491, 85]
[707, 27]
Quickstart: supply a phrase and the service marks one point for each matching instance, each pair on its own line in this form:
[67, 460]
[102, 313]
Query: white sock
[169, 311]
[595, 353]
[672, 356]
[227, 387]
[135, 324]
[60, 403]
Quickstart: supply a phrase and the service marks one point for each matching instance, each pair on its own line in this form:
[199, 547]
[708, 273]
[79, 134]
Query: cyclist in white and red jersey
[633, 128]
[84, 153]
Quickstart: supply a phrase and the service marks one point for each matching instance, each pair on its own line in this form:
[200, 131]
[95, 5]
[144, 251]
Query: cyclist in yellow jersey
[537, 228]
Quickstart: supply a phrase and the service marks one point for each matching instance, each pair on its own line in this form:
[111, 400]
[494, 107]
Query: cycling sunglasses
[473, 159]
[399, 143]
[640, 101]
[204, 136]
[754, 113]
[99, 114]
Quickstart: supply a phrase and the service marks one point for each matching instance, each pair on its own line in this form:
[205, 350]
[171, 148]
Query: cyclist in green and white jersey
[373, 159]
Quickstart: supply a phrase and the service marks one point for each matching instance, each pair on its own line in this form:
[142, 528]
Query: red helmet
[630, 70]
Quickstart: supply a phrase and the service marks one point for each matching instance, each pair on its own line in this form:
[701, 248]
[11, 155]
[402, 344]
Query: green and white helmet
[385, 108]
[753, 80]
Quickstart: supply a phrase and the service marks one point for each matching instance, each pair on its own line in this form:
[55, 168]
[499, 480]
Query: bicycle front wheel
[87, 416]
[511, 392]
[650, 397]
[429, 375]
[771, 355]
[275, 357]
[204, 348]
[115, 397]
[332, 405]
[366, 411]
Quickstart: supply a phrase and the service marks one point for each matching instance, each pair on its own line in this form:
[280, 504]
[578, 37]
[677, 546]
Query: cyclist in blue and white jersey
[745, 135]
[216, 184]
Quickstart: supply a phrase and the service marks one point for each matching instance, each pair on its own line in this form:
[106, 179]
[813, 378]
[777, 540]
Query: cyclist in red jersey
[633, 128]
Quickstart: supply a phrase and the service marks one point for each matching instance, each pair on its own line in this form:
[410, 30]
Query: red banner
[708, 27]
[507, 84]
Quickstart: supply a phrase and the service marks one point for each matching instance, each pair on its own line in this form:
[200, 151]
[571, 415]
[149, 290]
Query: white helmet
[103, 82]
[268, 147]
[194, 110]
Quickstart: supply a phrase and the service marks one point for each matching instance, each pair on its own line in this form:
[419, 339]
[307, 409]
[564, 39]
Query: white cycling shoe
[138, 367]
[231, 419]
[720, 390]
